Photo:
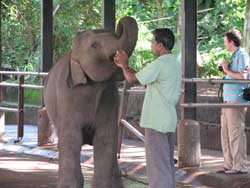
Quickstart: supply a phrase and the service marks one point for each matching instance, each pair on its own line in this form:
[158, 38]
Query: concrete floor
[24, 165]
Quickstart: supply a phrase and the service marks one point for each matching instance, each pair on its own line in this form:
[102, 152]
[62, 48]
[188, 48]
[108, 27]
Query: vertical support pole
[122, 115]
[0, 35]
[45, 128]
[20, 108]
[2, 113]
[108, 14]
[46, 35]
[246, 31]
[188, 130]
[189, 32]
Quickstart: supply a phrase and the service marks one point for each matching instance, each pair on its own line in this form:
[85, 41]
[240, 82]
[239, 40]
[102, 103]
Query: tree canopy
[20, 29]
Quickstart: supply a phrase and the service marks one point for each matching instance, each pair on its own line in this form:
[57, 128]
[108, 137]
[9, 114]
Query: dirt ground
[26, 171]
[30, 171]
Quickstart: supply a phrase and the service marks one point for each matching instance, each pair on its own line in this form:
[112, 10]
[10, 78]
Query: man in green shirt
[159, 118]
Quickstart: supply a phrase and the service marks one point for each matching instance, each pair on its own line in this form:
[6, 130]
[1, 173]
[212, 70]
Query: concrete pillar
[188, 136]
[46, 133]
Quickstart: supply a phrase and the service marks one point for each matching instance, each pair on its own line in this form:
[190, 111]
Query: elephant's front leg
[104, 156]
[69, 145]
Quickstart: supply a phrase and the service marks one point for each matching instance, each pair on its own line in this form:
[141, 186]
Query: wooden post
[45, 128]
[108, 14]
[46, 35]
[122, 115]
[2, 114]
[189, 27]
[20, 108]
[246, 33]
[188, 129]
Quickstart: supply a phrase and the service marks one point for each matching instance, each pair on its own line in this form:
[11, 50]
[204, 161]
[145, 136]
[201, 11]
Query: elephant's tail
[46, 81]
[69, 79]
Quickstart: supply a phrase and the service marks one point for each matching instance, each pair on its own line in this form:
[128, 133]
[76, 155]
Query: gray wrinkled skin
[81, 99]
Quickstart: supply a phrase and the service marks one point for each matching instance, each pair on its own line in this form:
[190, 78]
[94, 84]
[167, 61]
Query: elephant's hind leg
[69, 144]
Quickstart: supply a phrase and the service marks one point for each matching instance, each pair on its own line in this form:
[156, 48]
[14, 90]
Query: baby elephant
[81, 99]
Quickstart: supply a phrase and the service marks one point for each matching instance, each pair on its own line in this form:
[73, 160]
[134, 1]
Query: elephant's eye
[94, 45]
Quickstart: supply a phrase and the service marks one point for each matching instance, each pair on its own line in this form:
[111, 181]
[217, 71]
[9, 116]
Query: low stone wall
[209, 119]
[30, 116]
[210, 137]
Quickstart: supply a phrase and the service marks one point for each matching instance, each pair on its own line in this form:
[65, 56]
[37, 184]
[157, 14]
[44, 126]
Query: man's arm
[234, 75]
[129, 75]
[121, 60]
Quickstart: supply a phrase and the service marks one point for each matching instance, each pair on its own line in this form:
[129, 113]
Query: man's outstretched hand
[121, 59]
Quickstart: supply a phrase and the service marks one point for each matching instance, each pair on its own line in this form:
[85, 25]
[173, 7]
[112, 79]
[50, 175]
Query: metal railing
[126, 91]
[213, 81]
[122, 119]
[21, 86]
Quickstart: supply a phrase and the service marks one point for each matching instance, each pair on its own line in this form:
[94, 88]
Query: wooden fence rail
[21, 86]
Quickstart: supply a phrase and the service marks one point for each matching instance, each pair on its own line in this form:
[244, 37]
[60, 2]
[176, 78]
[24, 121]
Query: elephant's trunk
[127, 31]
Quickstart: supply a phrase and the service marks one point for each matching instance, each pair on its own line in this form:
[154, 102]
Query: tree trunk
[246, 32]
[160, 13]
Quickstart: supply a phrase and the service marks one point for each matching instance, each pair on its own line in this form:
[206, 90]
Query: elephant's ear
[77, 75]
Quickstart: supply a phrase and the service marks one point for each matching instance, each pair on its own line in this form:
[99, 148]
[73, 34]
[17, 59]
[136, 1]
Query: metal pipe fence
[124, 123]
[216, 105]
[214, 81]
[21, 86]
[24, 73]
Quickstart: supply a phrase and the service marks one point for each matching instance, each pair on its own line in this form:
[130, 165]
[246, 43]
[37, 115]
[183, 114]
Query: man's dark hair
[164, 36]
[235, 36]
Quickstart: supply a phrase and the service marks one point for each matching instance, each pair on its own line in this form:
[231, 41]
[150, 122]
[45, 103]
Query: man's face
[155, 46]
[228, 44]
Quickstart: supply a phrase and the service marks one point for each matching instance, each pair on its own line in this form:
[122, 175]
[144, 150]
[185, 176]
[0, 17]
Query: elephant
[82, 101]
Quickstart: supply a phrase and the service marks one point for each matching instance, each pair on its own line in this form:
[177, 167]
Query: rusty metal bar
[133, 130]
[122, 115]
[20, 108]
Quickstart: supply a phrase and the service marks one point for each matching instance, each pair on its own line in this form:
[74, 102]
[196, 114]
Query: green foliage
[72, 17]
[20, 33]
[32, 97]
[20, 30]
[148, 19]
[213, 59]
[222, 16]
